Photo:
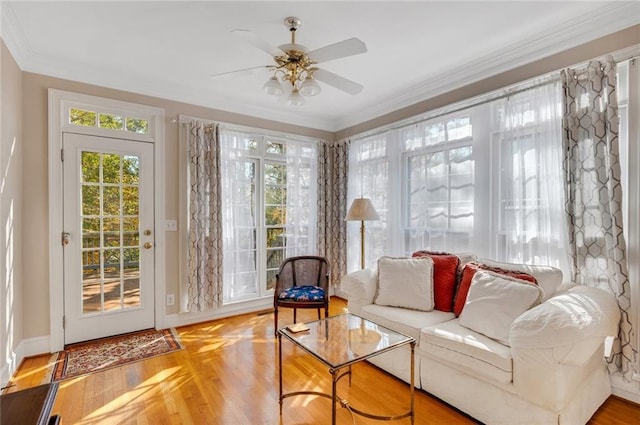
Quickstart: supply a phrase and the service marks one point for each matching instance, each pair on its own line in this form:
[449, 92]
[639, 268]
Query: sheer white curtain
[487, 178]
[239, 192]
[528, 153]
[370, 171]
[302, 208]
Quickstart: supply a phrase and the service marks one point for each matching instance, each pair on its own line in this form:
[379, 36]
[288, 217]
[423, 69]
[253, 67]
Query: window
[439, 172]
[106, 120]
[526, 145]
[269, 200]
[485, 179]
[628, 102]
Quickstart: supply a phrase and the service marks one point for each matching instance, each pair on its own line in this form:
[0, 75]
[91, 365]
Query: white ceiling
[415, 49]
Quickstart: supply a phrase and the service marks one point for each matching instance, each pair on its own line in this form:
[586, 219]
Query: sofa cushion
[467, 350]
[405, 282]
[549, 278]
[467, 275]
[494, 301]
[408, 322]
[445, 277]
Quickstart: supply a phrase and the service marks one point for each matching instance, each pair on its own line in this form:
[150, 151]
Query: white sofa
[552, 371]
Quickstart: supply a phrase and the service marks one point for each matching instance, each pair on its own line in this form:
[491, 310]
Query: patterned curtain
[204, 274]
[594, 195]
[333, 168]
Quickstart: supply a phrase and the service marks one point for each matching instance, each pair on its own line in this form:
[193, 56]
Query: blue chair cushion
[302, 293]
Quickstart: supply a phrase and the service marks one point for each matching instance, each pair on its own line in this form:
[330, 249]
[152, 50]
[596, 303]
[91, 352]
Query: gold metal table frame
[340, 342]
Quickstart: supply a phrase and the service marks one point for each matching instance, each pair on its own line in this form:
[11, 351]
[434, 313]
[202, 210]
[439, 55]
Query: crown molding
[113, 78]
[604, 21]
[608, 19]
[12, 35]
[28, 61]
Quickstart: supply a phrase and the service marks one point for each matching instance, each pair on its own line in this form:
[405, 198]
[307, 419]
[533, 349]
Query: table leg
[280, 367]
[334, 376]
[413, 413]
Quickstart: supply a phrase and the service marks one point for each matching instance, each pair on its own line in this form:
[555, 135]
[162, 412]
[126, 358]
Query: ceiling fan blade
[239, 72]
[341, 49]
[257, 41]
[337, 81]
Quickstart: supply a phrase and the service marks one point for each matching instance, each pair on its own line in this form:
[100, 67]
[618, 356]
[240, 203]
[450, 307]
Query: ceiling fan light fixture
[310, 87]
[294, 74]
[295, 98]
[273, 87]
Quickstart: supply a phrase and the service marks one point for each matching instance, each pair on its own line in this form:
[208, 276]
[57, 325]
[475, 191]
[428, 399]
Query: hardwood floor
[227, 374]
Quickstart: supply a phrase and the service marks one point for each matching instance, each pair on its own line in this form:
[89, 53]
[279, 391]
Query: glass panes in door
[110, 231]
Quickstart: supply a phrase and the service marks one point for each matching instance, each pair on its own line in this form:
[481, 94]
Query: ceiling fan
[295, 70]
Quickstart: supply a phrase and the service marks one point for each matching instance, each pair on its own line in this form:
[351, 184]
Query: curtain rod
[443, 111]
[186, 119]
[548, 78]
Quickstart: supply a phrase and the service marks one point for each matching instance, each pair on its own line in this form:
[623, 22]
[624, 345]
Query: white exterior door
[108, 236]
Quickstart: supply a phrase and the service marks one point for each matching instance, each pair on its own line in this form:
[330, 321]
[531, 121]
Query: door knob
[147, 232]
[148, 245]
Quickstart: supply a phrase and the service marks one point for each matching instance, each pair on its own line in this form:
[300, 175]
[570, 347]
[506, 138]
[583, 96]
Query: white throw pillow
[549, 278]
[405, 282]
[495, 301]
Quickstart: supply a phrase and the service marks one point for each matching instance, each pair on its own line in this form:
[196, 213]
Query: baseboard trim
[184, 319]
[36, 346]
[627, 390]
[11, 366]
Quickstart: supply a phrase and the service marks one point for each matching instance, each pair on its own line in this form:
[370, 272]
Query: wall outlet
[170, 299]
[171, 225]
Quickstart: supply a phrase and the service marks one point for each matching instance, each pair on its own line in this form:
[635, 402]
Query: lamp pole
[362, 244]
[361, 210]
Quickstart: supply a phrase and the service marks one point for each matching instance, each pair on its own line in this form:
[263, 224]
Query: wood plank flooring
[227, 374]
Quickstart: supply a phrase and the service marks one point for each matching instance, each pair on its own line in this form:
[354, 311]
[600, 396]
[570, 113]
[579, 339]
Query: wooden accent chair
[302, 282]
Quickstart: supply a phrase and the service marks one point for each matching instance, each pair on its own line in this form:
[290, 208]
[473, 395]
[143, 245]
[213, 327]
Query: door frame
[59, 103]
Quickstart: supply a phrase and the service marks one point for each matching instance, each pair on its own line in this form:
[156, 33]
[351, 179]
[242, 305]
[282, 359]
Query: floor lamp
[362, 209]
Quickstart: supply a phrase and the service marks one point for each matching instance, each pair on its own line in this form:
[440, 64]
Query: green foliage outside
[114, 179]
[110, 121]
[275, 192]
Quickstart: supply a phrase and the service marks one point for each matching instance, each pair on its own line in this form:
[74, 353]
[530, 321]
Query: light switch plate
[171, 225]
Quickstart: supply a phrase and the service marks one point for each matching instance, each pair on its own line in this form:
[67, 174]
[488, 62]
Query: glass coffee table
[339, 342]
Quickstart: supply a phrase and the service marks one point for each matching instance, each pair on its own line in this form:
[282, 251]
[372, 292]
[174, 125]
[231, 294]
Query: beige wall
[593, 49]
[11, 282]
[35, 98]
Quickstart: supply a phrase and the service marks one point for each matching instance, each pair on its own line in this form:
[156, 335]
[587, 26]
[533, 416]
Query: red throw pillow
[467, 275]
[445, 271]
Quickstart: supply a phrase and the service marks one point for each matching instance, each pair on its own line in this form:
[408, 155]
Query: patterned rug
[101, 354]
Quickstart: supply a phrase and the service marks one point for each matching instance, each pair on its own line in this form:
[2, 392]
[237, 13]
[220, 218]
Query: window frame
[446, 147]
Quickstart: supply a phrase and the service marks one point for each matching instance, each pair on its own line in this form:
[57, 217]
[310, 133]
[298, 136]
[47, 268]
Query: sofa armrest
[360, 288]
[573, 317]
[558, 345]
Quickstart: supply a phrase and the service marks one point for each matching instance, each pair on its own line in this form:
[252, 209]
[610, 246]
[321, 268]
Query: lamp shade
[273, 87]
[310, 87]
[362, 209]
[295, 98]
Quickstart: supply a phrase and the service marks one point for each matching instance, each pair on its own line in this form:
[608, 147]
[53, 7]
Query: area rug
[101, 354]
